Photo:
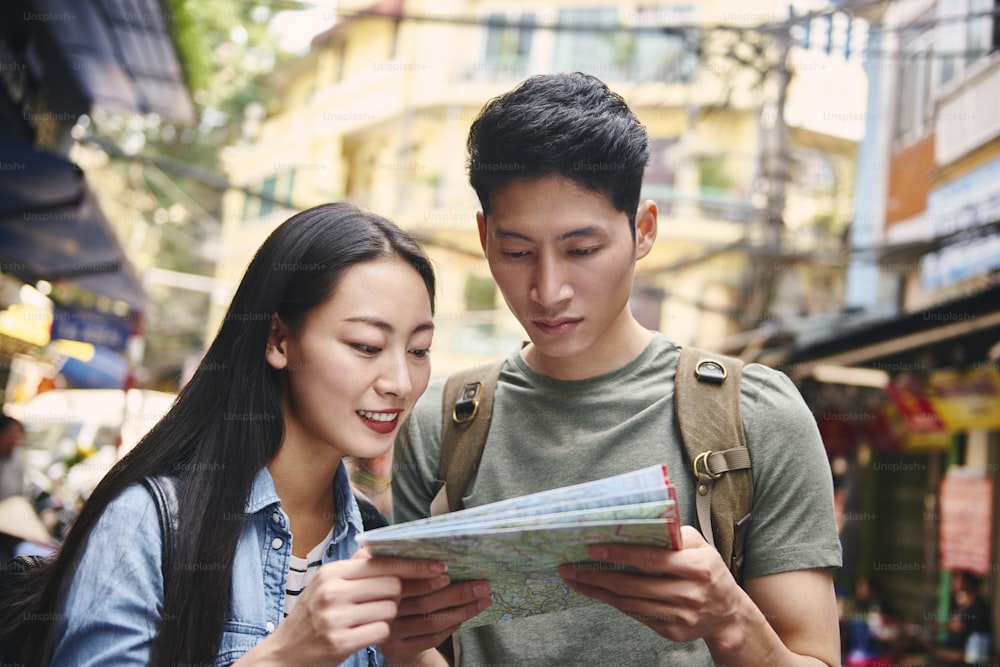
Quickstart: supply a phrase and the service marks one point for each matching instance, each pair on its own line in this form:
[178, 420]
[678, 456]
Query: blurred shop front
[64, 275]
[909, 409]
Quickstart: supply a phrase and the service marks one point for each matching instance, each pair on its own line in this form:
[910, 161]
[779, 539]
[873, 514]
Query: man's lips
[561, 325]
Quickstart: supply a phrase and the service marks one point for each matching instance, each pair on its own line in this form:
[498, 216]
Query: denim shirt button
[329, 551]
[275, 517]
[270, 626]
[276, 543]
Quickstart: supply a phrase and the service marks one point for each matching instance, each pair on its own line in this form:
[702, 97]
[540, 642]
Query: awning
[957, 332]
[51, 228]
[114, 54]
[33, 181]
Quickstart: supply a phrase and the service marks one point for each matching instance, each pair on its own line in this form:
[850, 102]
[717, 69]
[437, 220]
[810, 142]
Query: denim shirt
[114, 604]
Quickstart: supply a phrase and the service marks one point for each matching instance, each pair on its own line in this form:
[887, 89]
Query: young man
[557, 164]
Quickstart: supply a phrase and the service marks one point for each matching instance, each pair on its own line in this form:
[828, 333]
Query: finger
[330, 588]
[417, 587]
[412, 634]
[691, 538]
[354, 639]
[656, 560]
[630, 584]
[455, 595]
[672, 622]
[405, 568]
[355, 615]
[442, 622]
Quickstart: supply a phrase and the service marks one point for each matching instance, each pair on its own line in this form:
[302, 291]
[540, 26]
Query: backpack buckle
[467, 404]
[710, 370]
[702, 461]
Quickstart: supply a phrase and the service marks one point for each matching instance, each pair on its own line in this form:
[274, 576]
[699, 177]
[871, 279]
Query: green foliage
[712, 173]
[225, 48]
[188, 35]
[480, 293]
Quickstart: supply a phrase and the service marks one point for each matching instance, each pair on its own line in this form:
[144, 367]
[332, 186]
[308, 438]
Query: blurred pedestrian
[321, 355]
[13, 470]
[969, 615]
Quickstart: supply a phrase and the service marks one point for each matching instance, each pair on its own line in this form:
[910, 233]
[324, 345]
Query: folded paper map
[518, 544]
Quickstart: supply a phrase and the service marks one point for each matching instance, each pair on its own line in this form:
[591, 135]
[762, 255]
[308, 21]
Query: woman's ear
[277, 344]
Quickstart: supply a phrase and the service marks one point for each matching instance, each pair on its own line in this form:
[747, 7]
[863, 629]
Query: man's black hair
[572, 125]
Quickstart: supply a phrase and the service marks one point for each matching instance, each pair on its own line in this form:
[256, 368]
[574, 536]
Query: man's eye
[582, 252]
[515, 254]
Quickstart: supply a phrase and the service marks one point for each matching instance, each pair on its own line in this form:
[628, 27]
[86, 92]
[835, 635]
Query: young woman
[322, 354]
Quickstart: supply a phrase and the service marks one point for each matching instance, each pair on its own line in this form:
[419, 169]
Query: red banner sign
[966, 502]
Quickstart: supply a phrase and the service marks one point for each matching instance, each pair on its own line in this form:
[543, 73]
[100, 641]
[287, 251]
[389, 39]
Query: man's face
[564, 260]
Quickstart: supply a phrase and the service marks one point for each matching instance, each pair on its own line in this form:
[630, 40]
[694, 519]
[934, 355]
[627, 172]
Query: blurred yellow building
[378, 110]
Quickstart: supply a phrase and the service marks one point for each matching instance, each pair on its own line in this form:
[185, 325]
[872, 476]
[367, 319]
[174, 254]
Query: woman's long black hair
[225, 425]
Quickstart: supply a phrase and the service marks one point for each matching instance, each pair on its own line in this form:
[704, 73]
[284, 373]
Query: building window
[480, 293]
[275, 190]
[589, 48]
[664, 55]
[507, 52]
[632, 50]
[951, 37]
[267, 190]
[981, 30]
[508, 42]
[915, 91]
[995, 36]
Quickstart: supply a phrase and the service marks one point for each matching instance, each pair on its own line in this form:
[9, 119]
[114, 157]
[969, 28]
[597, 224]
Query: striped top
[302, 570]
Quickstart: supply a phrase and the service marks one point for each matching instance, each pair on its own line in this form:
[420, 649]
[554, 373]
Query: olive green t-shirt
[548, 433]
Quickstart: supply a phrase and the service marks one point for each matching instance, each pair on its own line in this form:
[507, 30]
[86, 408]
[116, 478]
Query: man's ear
[645, 228]
[481, 223]
[277, 344]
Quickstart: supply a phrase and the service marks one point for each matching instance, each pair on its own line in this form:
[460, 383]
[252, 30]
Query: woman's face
[358, 362]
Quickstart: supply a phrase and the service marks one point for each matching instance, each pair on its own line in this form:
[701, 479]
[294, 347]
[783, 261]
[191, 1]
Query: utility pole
[774, 156]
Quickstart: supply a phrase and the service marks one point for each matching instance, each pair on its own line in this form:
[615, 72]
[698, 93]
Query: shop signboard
[964, 204]
[89, 326]
[25, 322]
[966, 526]
[966, 399]
[922, 426]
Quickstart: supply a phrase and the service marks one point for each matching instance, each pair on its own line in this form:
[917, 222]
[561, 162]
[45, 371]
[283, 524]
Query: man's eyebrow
[587, 230]
[385, 326]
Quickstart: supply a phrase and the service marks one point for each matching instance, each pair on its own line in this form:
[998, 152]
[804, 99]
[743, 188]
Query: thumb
[692, 538]
[362, 554]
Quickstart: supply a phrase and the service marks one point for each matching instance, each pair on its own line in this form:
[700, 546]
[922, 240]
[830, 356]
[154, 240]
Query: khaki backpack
[707, 404]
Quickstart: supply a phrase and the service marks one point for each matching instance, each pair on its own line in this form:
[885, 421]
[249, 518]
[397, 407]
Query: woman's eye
[421, 353]
[367, 349]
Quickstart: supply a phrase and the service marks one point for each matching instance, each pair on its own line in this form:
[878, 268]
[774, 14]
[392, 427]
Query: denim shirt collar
[263, 495]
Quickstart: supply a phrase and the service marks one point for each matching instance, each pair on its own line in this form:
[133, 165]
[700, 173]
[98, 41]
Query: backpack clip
[710, 370]
[702, 466]
[467, 404]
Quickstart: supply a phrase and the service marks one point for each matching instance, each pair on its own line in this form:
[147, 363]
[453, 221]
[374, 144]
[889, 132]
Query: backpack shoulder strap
[371, 517]
[707, 404]
[163, 489]
[466, 410]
